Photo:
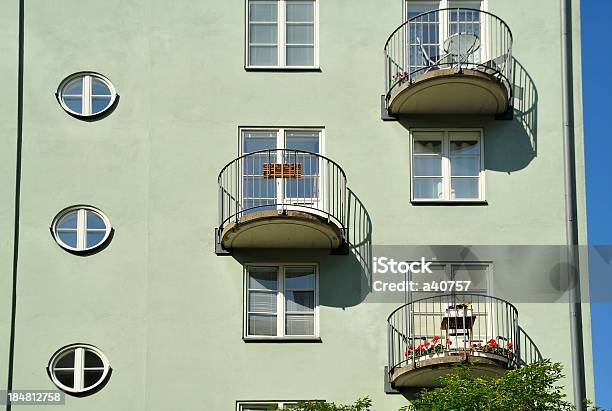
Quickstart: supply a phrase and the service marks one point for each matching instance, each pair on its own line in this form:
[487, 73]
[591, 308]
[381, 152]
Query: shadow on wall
[344, 280]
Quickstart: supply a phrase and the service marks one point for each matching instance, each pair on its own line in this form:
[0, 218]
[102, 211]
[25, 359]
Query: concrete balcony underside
[289, 229]
[450, 91]
[424, 373]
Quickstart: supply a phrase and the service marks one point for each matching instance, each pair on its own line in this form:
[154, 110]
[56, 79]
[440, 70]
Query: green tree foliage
[531, 388]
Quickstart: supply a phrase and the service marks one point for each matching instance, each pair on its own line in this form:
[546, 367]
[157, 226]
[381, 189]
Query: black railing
[282, 180]
[449, 38]
[453, 324]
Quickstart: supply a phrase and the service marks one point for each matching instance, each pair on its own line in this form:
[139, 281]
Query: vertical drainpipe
[13, 324]
[571, 224]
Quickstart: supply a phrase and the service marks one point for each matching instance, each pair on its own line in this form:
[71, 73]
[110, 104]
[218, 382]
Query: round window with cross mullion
[78, 368]
[86, 94]
[81, 228]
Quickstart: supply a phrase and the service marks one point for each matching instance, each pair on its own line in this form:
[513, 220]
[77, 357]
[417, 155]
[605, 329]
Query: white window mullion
[446, 167]
[79, 361]
[81, 229]
[87, 95]
[282, 29]
[280, 306]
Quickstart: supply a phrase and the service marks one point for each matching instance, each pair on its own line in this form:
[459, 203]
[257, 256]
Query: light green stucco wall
[164, 308]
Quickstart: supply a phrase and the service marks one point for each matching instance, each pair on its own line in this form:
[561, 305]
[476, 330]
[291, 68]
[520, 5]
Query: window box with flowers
[428, 349]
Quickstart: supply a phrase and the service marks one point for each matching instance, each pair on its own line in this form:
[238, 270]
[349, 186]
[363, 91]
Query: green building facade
[213, 287]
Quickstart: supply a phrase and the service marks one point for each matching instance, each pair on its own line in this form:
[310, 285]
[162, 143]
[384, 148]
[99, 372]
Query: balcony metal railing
[449, 38]
[282, 180]
[459, 324]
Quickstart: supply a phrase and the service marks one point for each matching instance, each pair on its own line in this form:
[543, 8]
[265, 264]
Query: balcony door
[430, 28]
[281, 169]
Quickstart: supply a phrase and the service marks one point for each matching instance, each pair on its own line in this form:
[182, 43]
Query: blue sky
[596, 74]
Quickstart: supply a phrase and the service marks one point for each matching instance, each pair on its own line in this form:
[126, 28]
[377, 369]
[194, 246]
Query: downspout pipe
[571, 223]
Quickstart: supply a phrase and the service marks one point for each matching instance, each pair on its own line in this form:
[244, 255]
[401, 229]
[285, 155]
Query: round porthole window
[78, 368]
[81, 228]
[86, 94]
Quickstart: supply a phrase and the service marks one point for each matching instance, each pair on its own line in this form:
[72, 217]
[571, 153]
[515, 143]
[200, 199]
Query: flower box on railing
[285, 170]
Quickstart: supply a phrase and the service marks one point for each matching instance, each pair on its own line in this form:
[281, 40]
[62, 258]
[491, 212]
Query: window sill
[449, 202]
[285, 69]
[282, 339]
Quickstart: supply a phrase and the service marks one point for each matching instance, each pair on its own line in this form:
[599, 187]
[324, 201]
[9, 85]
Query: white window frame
[281, 133]
[79, 367]
[81, 228]
[86, 95]
[280, 303]
[446, 166]
[281, 42]
[449, 267]
[240, 405]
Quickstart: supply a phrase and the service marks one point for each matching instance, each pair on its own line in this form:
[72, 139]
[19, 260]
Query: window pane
[68, 237]
[464, 187]
[263, 56]
[260, 188]
[253, 407]
[94, 220]
[74, 103]
[98, 87]
[263, 33]
[427, 147]
[67, 361]
[74, 87]
[92, 360]
[464, 147]
[262, 302]
[427, 165]
[66, 377]
[299, 325]
[258, 140]
[300, 55]
[300, 301]
[68, 221]
[465, 166]
[259, 324]
[91, 377]
[300, 11]
[263, 279]
[474, 273]
[300, 34]
[297, 278]
[99, 104]
[428, 188]
[94, 238]
[263, 11]
[303, 140]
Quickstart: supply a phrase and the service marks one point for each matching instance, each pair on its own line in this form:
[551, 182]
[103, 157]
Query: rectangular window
[297, 148]
[281, 301]
[474, 275]
[447, 165]
[282, 33]
[259, 406]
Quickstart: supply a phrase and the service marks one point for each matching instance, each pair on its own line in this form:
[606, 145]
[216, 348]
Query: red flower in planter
[436, 339]
[426, 343]
[449, 342]
[509, 345]
[491, 343]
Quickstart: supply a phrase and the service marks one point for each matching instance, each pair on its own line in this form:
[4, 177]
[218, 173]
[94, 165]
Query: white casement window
[81, 228]
[474, 278]
[281, 301]
[282, 145]
[267, 405]
[78, 368]
[447, 165]
[282, 34]
[426, 39]
[86, 94]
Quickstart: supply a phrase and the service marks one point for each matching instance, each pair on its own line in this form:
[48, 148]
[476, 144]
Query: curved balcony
[281, 198]
[430, 335]
[449, 61]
